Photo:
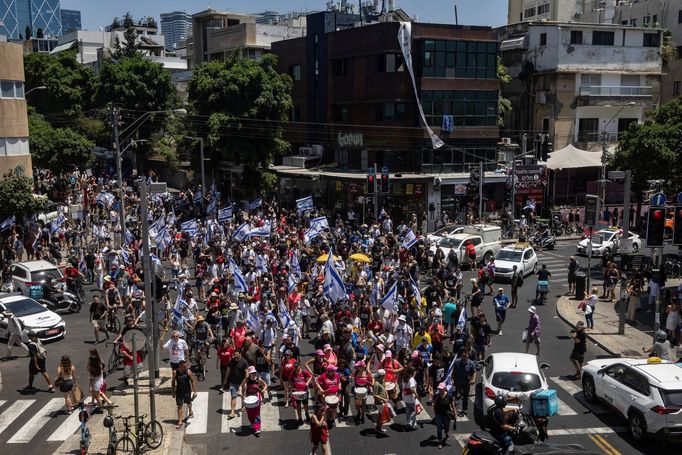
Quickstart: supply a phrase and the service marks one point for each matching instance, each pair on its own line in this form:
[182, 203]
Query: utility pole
[153, 327]
[376, 195]
[480, 192]
[626, 235]
[115, 119]
[203, 173]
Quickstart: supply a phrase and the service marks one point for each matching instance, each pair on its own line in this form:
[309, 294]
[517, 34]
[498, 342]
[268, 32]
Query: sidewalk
[165, 414]
[605, 333]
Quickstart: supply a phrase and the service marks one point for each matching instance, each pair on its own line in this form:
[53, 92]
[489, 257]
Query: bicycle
[112, 321]
[109, 425]
[200, 365]
[83, 417]
[149, 434]
[115, 358]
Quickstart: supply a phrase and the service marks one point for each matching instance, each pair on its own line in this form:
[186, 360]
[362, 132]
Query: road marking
[2, 402]
[269, 415]
[229, 425]
[566, 432]
[603, 445]
[38, 421]
[14, 411]
[67, 428]
[565, 410]
[199, 423]
[574, 390]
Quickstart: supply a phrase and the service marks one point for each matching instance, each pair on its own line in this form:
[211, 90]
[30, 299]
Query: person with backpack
[516, 283]
[38, 355]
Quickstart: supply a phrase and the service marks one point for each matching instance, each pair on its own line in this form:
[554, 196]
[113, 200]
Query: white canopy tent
[571, 157]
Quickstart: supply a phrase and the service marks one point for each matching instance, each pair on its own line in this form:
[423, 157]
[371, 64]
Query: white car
[521, 255]
[33, 316]
[445, 231]
[33, 274]
[513, 374]
[646, 393]
[606, 242]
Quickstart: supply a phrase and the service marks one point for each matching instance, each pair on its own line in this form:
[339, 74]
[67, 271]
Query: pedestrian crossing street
[557, 266]
[25, 421]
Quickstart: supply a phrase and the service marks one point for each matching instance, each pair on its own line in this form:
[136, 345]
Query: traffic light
[371, 183]
[677, 226]
[547, 148]
[384, 183]
[655, 227]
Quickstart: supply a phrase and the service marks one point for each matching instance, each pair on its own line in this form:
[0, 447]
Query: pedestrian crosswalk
[25, 421]
[557, 266]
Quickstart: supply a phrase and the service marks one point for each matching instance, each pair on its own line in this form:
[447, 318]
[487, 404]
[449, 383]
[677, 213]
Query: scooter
[547, 242]
[57, 300]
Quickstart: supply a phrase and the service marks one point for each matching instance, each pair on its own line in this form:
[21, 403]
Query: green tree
[503, 104]
[247, 102]
[129, 46]
[58, 149]
[17, 198]
[68, 83]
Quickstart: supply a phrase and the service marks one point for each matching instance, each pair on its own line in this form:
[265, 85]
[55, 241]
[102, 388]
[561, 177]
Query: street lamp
[203, 175]
[605, 153]
[40, 87]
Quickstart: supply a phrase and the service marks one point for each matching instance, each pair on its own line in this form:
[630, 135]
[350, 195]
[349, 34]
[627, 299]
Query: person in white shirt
[177, 349]
[403, 334]
[14, 339]
[653, 294]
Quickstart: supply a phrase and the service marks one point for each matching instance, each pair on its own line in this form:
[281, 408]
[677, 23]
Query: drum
[252, 401]
[299, 396]
[332, 401]
[360, 393]
[390, 386]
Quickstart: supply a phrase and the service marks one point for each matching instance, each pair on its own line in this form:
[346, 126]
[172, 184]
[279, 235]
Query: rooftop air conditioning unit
[316, 150]
[506, 140]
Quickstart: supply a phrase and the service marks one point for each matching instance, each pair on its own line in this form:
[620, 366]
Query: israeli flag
[252, 321]
[149, 180]
[225, 214]
[212, 206]
[190, 227]
[415, 291]
[163, 239]
[295, 265]
[8, 223]
[129, 237]
[242, 232]
[198, 196]
[530, 205]
[390, 300]
[214, 191]
[57, 223]
[461, 322]
[317, 226]
[155, 260]
[374, 295]
[82, 266]
[283, 314]
[334, 288]
[448, 377]
[172, 219]
[237, 277]
[105, 198]
[410, 240]
[156, 226]
[253, 205]
[292, 283]
[261, 266]
[304, 204]
[263, 231]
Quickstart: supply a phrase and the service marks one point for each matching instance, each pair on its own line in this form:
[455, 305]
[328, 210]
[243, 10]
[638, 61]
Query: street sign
[679, 198]
[658, 200]
[591, 210]
[617, 175]
[384, 170]
[370, 171]
[474, 176]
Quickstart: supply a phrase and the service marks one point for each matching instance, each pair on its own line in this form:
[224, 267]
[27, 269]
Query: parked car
[32, 315]
[606, 241]
[445, 231]
[486, 239]
[646, 392]
[26, 275]
[513, 374]
[521, 255]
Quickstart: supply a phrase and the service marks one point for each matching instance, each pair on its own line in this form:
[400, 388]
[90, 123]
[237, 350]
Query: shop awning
[571, 157]
[513, 44]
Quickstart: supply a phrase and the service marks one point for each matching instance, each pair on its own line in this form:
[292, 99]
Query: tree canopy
[57, 149]
[129, 47]
[17, 198]
[246, 102]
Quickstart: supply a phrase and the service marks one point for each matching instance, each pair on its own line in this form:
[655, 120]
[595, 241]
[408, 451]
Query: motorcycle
[57, 300]
[546, 242]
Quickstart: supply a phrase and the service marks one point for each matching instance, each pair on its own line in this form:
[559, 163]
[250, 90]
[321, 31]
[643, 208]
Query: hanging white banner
[405, 40]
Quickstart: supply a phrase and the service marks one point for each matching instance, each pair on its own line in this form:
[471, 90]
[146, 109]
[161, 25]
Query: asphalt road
[37, 423]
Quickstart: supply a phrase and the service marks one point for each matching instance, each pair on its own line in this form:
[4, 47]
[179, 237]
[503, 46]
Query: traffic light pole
[657, 302]
[480, 192]
[376, 195]
[626, 235]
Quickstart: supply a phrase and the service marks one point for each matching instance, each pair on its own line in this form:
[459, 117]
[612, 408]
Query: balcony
[595, 136]
[615, 91]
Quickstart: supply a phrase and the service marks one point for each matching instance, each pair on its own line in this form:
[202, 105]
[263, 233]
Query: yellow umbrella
[324, 257]
[359, 257]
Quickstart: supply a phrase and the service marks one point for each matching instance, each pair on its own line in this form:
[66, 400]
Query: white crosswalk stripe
[66, 429]
[228, 425]
[12, 412]
[269, 415]
[38, 421]
[574, 390]
[199, 424]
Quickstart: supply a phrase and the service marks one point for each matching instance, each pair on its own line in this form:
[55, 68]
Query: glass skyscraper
[35, 16]
[174, 27]
[71, 20]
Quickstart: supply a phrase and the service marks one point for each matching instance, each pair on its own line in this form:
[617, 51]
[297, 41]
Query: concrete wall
[13, 115]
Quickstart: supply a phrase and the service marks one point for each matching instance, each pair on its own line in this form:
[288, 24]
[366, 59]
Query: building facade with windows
[71, 20]
[175, 27]
[14, 149]
[21, 18]
[354, 100]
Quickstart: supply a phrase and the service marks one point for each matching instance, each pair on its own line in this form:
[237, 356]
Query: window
[651, 40]
[576, 36]
[590, 84]
[646, 20]
[11, 89]
[295, 72]
[340, 67]
[679, 17]
[391, 112]
[636, 382]
[340, 112]
[676, 87]
[633, 22]
[392, 63]
[545, 124]
[654, 20]
[543, 9]
[601, 38]
[463, 59]
[629, 80]
[543, 39]
[588, 129]
[616, 371]
[624, 123]
[529, 12]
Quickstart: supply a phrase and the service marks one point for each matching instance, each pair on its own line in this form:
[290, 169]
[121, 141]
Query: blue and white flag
[242, 232]
[461, 322]
[410, 240]
[214, 191]
[237, 278]
[448, 377]
[198, 196]
[253, 205]
[172, 218]
[163, 239]
[225, 214]
[334, 288]
[374, 295]
[57, 223]
[252, 321]
[8, 223]
[105, 198]
[263, 231]
[129, 238]
[415, 291]
[156, 226]
[292, 282]
[390, 300]
[125, 256]
[304, 204]
[317, 227]
[82, 265]
[261, 266]
[295, 265]
[530, 204]
[283, 314]
[190, 227]
[212, 206]
[156, 262]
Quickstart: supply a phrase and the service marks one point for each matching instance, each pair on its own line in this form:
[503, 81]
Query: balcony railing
[593, 136]
[617, 90]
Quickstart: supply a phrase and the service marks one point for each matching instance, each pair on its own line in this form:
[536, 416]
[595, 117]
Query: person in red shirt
[375, 326]
[300, 380]
[319, 431]
[238, 334]
[286, 370]
[328, 385]
[392, 367]
[437, 333]
[225, 352]
[128, 363]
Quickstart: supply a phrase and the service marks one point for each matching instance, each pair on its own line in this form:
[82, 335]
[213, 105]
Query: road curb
[177, 441]
[588, 335]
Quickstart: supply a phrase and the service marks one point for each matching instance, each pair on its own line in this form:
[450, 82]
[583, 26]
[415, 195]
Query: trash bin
[580, 284]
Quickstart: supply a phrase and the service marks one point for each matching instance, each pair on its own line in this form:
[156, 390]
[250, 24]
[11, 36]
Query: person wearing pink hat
[253, 385]
[328, 385]
[444, 408]
[329, 355]
[392, 368]
[362, 383]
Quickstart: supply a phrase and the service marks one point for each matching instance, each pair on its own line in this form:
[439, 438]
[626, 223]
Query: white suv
[648, 393]
[33, 274]
[521, 255]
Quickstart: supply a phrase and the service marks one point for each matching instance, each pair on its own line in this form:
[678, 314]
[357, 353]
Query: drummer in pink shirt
[329, 355]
